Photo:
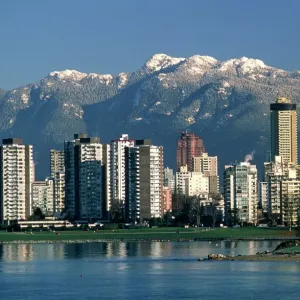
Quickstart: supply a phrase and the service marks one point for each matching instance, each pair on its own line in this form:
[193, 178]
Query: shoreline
[259, 257]
[104, 240]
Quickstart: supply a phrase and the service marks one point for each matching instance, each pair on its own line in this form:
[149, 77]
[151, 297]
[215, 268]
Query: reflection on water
[122, 250]
[143, 270]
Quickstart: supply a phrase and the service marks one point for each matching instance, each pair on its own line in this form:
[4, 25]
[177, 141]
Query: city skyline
[127, 179]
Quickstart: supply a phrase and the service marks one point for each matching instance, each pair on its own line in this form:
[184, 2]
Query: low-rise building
[191, 183]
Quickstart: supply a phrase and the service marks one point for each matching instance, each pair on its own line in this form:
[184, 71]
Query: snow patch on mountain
[75, 110]
[224, 88]
[25, 98]
[68, 74]
[161, 61]
[74, 75]
[243, 65]
[105, 79]
[198, 64]
[206, 116]
[191, 120]
[122, 79]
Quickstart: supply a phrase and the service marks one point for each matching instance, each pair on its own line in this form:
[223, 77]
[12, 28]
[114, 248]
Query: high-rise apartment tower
[144, 181]
[117, 167]
[86, 176]
[284, 130]
[16, 177]
[240, 193]
[57, 173]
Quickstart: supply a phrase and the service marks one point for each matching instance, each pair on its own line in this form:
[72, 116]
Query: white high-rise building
[181, 178]
[274, 173]
[16, 177]
[192, 183]
[86, 177]
[240, 193]
[290, 201]
[282, 180]
[208, 165]
[144, 181]
[57, 162]
[264, 196]
[117, 166]
[59, 193]
[43, 196]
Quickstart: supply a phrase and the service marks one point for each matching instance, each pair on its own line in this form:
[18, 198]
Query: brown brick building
[188, 146]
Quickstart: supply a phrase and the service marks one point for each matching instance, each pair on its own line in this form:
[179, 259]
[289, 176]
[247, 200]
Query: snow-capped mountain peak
[74, 75]
[244, 65]
[161, 61]
[203, 60]
[68, 74]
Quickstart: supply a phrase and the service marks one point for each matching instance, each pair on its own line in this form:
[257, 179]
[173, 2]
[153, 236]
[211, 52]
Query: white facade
[192, 183]
[17, 175]
[43, 196]
[264, 196]
[181, 178]
[208, 165]
[197, 184]
[57, 162]
[241, 193]
[117, 166]
[156, 182]
[290, 201]
[274, 173]
[59, 192]
[282, 183]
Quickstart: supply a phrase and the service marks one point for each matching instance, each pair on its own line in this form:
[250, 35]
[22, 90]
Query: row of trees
[186, 210]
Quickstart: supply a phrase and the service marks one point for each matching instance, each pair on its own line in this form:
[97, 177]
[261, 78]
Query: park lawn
[151, 234]
[295, 249]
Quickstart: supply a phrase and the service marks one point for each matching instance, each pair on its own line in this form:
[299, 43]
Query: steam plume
[249, 156]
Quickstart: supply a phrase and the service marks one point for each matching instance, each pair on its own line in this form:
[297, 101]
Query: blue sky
[111, 36]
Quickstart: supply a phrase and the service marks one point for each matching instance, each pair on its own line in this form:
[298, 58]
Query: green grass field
[151, 234]
[295, 249]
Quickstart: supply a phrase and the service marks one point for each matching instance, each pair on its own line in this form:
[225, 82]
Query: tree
[291, 207]
[168, 218]
[178, 200]
[233, 216]
[216, 198]
[37, 215]
[116, 211]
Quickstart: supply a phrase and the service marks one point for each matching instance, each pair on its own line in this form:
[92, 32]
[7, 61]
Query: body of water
[143, 270]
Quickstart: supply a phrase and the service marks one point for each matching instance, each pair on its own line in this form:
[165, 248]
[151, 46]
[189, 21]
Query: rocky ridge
[227, 103]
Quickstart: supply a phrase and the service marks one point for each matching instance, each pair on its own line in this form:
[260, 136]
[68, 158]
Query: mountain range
[225, 102]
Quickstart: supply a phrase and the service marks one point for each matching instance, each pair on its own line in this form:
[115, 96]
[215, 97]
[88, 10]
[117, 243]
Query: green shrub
[111, 226]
